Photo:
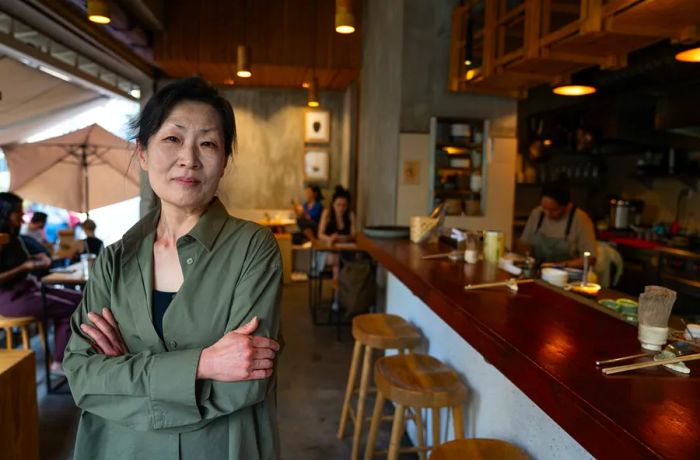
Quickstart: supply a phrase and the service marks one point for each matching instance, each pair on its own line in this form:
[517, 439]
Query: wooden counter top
[547, 344]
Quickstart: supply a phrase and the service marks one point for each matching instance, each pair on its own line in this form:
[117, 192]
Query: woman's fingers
[107, 314]
[110, 332]
[99, 339]
[260, 374]
[263, 353]
[259, 364]
[264, 342]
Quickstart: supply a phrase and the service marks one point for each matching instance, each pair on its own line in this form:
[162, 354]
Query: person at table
[337, 225]
[20, 292]
[557, 232]
[92, 244]
[35, 228]
[174, 344]
[309, 213]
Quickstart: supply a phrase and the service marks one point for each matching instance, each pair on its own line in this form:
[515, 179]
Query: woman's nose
[189, 156]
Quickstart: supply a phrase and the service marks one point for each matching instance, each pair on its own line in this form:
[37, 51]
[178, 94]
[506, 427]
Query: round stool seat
[419, 381]
[16, 321]
[384, 331]
[478, 449]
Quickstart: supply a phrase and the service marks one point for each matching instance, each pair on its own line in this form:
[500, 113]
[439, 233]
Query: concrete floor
[311, 383]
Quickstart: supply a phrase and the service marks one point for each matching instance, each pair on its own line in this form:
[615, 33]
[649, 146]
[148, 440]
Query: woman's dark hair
[192, 89]
[318, 196]
[558, 190]
[8, 203]
[340, 192]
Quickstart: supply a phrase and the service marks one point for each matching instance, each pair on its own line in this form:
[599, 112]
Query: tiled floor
[311, 382]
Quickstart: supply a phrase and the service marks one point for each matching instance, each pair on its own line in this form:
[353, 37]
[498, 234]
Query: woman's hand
[105, 334]
[238, 356]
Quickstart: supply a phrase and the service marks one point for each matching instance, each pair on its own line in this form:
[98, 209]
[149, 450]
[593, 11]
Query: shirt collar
[205, 231]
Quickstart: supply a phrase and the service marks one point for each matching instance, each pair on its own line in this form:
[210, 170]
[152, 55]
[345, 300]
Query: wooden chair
[415, 382]
[372, 331]
[478, 449]
[23, 323]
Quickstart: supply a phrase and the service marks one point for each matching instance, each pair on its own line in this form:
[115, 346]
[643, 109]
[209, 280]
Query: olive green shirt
[148, 404]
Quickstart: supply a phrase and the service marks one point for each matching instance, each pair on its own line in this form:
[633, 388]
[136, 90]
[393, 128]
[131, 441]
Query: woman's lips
[186, 181]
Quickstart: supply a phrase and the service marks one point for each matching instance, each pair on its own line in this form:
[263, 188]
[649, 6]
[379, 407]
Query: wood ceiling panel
[287, 38]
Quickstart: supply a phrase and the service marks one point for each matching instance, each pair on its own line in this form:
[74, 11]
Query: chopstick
[661, 362]
[469, 287]
[621, 358]
[438, 256]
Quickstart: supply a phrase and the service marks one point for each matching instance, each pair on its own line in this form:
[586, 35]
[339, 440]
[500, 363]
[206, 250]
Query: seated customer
[309, 214]
[20, 293]
[92, 244]
[337, 225]
[35, 228]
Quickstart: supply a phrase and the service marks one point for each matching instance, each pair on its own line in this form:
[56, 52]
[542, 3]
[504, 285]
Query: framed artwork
[316, 168]
[317, 126]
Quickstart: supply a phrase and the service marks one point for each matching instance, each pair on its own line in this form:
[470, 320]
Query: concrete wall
[267, 170]
[380, 105]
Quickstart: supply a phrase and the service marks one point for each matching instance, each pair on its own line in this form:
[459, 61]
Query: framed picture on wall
[316, 168]
[317, 126]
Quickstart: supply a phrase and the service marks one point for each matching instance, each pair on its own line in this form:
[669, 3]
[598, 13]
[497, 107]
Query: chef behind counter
[557, 232]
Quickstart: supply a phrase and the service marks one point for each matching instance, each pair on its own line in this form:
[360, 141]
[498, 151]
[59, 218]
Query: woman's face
[309, 195]
[15, 217]
[340, 205]
[185, 158]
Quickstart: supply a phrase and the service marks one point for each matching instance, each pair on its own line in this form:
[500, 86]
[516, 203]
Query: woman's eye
[171, 139]
[208, 144]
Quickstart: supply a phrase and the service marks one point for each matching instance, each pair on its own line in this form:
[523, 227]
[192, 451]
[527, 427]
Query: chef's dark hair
[192, 89]
[8, 203]
[558, 190]
[317, 192]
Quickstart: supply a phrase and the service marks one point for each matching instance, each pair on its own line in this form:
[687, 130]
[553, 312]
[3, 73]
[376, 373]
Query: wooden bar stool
[22, 322]
[373, 331]
[417, 382]
[478, 449]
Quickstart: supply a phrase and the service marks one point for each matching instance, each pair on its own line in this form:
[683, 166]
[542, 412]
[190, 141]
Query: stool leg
[397, 429]
[40, 330]
[25, 337]
[360, 412]
[458, 418]
[420, 433]
[436, 426]
[374, 425]
[9, 338]
[348, 390]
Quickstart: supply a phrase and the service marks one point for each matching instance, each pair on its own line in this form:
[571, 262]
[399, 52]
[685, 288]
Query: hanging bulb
[243, 62]
[344, 19]
[312, 93]
[98, 11]
[573, 90]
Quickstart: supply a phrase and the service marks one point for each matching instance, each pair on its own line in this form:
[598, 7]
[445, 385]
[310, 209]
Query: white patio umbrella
[82, 170]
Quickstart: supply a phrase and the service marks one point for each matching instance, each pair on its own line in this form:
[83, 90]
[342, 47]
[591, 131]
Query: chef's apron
[550, 249]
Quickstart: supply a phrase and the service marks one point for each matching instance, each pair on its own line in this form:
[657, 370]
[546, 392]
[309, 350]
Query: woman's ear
[142, 154]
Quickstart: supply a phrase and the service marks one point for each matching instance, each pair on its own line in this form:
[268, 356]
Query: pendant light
[344, 19]
[690, 55]
[98, 11]
[573, 90]
[243, 62]
[312, 93]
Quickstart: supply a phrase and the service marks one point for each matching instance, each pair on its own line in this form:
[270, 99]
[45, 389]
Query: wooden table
[277, 225]
[19, 426]
[545, 345]
[76, 277]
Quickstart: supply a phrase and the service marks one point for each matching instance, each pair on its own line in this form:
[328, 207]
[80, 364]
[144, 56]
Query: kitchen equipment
[636, 211]
[655, 306]
[511, 284]
[555, 276]
[387, 231]
[494, 246]
[475, 182]
[631, 367]
[620, 211]
[453, 206]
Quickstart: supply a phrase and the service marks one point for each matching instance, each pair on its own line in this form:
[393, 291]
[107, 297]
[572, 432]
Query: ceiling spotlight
[344, 19]
[243, 62]
[98, 11]
[312, 94]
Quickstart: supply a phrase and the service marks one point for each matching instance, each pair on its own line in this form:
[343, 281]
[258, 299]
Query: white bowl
[555, 276]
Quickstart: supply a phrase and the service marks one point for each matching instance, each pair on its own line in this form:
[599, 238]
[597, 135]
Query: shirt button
[173, 344]
[189, 261]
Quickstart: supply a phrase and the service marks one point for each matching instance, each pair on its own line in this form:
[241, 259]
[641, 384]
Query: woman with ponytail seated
[20, 292]
[337, 225]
